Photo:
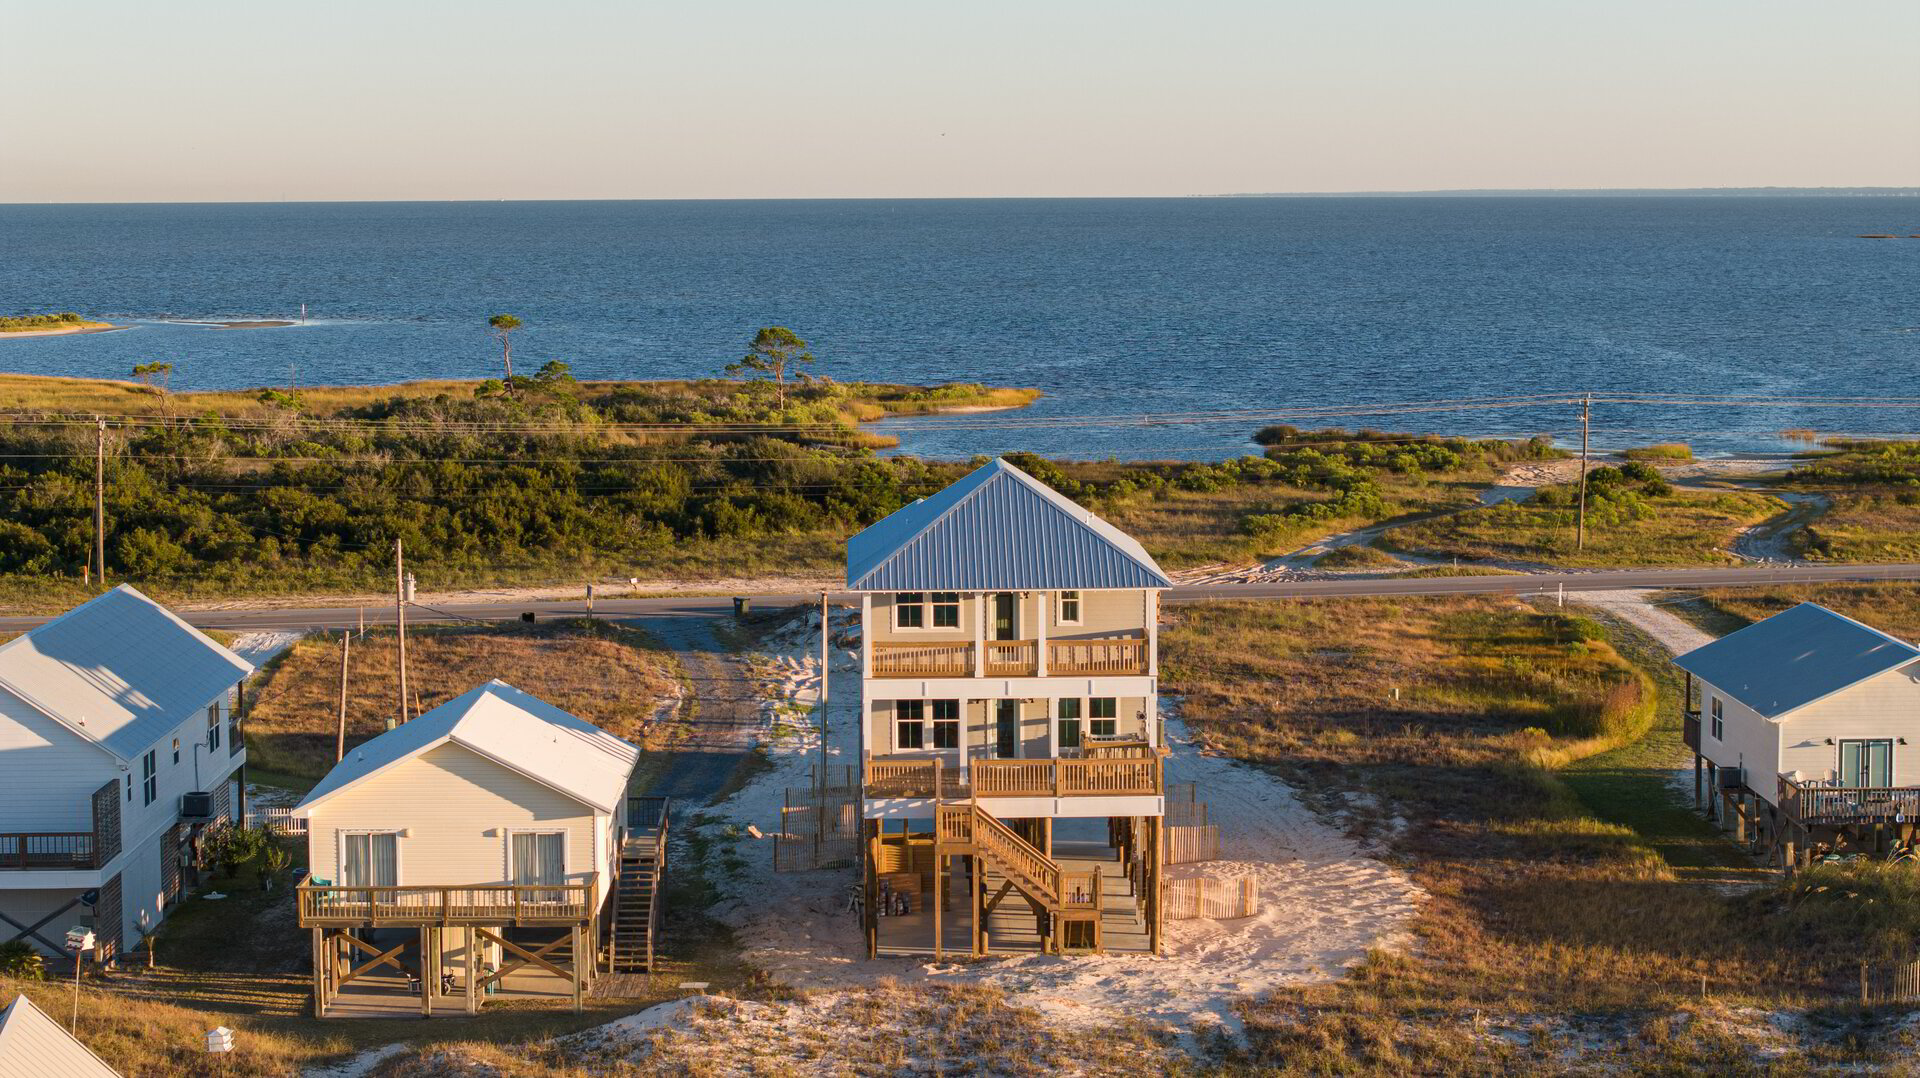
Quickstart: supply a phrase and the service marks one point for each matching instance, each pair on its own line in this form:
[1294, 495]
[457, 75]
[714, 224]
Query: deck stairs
[637, 901]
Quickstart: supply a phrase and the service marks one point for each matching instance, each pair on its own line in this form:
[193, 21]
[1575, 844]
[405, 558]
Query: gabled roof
[514, 729]
[33, 1045]
[998, 529]
[1794, 658]
[120, 670]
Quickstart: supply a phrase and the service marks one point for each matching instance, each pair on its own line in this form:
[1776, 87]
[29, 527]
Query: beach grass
[1676, 527]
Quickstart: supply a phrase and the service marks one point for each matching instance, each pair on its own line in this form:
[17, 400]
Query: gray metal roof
[1794, 658]
[120, 670]
[509, 726]
[998, 529]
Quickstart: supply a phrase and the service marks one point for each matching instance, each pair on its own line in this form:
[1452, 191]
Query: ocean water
[1117, 309]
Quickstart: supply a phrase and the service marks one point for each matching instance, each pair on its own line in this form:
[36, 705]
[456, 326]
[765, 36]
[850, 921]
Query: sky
[266, 100]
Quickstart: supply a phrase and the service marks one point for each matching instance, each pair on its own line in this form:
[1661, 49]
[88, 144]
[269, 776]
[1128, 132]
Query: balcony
[1129, 775]
[1690, 729]
[1818, 803]
[479, 904]
[68, 850]
[1103, 656]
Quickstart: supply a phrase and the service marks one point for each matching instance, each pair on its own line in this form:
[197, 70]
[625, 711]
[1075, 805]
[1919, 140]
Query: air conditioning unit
[1733, 778]
[196, 806]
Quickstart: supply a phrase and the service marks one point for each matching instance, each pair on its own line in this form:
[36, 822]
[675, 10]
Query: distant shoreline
[269, 323]
[62, 331]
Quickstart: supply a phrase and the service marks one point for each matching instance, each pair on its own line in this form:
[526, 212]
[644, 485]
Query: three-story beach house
[119, 742]
[1805, 729]
[1012, 780]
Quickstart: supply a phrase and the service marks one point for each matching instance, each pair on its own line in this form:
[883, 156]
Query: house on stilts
[1012, 783]
[1805, 729]
[488, 848]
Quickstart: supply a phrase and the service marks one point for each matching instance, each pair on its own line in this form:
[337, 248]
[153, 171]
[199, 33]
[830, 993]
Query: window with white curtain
[370, 859]
[539, 858]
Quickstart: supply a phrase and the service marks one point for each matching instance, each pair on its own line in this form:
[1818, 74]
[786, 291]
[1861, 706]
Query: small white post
[980, 634]
[1040, 636]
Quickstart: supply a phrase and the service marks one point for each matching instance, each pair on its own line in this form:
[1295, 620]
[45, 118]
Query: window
[946, 724]
[1006, 729]
[1866, 763]
[538, 858]
[1069, 608]
[370, 858]
[149, 780]
[1070, 724]
[1102, 710]
[946, 610]
[1719, 721]
[176, 751]
[910, 724]
[213, 727]
[129, 789]
[910, 610]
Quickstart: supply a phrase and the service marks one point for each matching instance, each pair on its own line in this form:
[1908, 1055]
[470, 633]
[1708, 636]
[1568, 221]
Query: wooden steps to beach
[634, 928]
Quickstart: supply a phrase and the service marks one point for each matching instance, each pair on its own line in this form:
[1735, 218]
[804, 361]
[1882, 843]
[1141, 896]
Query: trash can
[741, 606]
[527, 616]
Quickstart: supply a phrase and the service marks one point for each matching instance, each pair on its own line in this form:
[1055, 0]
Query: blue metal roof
[998, 529]
[1794, 658]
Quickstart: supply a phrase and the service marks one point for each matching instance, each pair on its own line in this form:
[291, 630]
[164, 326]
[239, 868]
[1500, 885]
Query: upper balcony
[1117, 769]
[68, 850]
[1109, 656]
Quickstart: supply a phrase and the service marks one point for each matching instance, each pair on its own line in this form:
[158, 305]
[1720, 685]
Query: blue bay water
[1112, 307]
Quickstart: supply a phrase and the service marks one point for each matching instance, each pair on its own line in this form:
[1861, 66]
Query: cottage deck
[1132, 769]
[1814, 804]
[1111, 656]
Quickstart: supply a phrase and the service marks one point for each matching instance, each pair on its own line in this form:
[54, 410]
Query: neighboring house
[495, 815]
[119, 742]
[1009, 682]
[1807, 730]
[33, 1045]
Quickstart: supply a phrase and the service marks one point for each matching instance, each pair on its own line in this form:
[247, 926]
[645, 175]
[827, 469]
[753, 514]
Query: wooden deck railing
[475, 904]
[1112, 656]
[1125, 776]
[1690, 729]
[47, 849]
[1816, 803]
[1033, 871]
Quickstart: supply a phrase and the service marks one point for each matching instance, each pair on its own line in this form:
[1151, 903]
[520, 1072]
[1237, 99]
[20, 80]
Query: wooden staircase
[1064, 903]
[637, 901]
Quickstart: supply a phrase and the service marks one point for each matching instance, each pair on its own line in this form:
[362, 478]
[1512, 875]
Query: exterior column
[1053, 726]
[579, 966]
[426, 973]
[1152, 712]
[1155, 863]
[473, 997]
[1153, 634]
[866, 635]
[935, 900]
[980, 634]
[1040, 637]
[870, 912]
[319, 975]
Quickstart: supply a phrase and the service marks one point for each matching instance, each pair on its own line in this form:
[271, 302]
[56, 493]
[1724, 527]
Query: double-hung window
[910, 610]
[910, 724]
[1069, 608]
[149, 777]
[1070, 723]
[370, 858]
[1719, 720]
[946, 724]
[946, 610]
[213, 727]
[1102, 711]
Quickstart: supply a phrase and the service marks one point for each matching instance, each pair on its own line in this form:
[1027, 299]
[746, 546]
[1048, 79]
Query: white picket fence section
[276, 819]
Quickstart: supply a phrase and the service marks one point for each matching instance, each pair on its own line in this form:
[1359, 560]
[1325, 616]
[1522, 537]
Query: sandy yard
[1324, 901]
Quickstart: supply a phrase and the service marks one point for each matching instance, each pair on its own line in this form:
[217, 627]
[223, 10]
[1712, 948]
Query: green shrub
[20, 959]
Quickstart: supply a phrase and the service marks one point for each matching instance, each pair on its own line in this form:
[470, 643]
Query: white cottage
[1807, 730]
[493, 813]
[118, 743]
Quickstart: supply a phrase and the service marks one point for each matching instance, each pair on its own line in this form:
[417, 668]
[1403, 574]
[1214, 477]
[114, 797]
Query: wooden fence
[1188, 844]
[818, 826]
[1221, 900]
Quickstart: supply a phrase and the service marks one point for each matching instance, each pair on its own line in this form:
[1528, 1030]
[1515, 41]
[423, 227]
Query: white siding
[1886, 706]
[47, 772]
[1749, 741]
[459, 809]
[1102, 613]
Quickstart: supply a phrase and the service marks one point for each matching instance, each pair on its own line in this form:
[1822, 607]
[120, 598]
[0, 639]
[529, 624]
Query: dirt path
[1636, 608]
[721, 713]
[1772, 539]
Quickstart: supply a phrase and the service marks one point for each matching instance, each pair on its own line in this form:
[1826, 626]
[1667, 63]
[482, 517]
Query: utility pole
[1580, 524]
[340, 737]
[100, 501]
[826, 675]
[400, 620]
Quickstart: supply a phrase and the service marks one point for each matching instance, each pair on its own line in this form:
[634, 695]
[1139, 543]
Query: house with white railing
[1011, 779]
[119, 743]
[471, 851]
[1805, 729]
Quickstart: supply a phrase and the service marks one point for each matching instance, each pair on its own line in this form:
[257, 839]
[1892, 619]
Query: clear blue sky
[434, 99]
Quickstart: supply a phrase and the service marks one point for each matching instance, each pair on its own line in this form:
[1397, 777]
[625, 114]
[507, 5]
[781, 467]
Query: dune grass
[1427, 724]
[1662, 451]
[611, 675]
[1892, 607]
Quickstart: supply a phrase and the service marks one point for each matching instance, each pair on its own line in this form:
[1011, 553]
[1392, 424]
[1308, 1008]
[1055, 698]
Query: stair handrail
[1017, 855]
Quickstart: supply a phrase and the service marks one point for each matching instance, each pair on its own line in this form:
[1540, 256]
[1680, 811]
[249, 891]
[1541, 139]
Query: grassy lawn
[1679, 527]
[1892, 607]
[1561, 906]
[611, 675]
[1865, 525]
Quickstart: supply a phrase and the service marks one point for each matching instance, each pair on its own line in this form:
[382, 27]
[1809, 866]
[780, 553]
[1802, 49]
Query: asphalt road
[1515, 584]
